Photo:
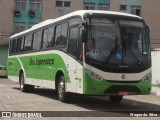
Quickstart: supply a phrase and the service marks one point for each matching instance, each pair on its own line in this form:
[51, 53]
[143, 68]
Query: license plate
[123, 92]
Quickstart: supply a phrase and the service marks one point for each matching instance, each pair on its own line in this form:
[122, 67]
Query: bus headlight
[94, 75]
[147, 77]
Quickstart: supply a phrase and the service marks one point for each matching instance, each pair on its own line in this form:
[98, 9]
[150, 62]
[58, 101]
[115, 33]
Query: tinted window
[72, 43]
[14, 46]
[48, 38]
[10, 47]
[20, 43]
[80, 46]
[62, 40]
[74, 21]
[67, 3]
[59, 3]
[58, 34]
[28, 42]
[37, 40]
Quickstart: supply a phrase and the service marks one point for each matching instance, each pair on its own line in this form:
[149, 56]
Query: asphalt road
[11, 99]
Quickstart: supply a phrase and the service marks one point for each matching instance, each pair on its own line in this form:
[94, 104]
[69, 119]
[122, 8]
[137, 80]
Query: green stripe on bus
[43, 66]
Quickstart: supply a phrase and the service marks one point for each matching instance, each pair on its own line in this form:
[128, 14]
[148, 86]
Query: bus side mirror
[84, 35]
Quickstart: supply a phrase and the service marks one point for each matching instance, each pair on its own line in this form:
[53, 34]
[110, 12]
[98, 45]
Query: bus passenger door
[72, 59]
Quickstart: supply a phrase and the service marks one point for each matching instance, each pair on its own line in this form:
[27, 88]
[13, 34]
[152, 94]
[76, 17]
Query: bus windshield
[117, 45]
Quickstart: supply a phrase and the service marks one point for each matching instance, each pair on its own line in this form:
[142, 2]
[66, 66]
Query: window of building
[19, 28]
[20, 5]
[136, 10]
[102, 6]
[60, 3]
[89, 6]
[37, 40]
[35, 5]
[123, 7]
[67, 3]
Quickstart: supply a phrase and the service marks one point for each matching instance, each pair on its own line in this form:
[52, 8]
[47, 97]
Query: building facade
[96, 4]
[151, 14]
[26, 14]
[18, 15]
[56, 8]
[6, 28]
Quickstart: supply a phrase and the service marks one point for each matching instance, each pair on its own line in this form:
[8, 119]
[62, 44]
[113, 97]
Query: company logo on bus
[123, 76]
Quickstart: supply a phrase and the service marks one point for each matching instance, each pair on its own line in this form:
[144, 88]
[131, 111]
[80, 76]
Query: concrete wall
[115, 5]
[49, 10]
[3, 55]
[155, 67]
[6, 20]
[151, 14]
[76, 5]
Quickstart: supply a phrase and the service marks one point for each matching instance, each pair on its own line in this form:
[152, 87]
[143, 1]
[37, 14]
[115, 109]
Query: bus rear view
[117, 56]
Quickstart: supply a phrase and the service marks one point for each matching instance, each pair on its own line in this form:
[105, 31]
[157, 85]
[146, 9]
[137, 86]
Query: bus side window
[72, 43]
[45, 39]
[74, 21]
[48, 38]
[64, 30]
[61, 35]
[80, 45]
[20, 42]
[37, 40]
[14, 45]
[28, 42]
[10, 47]
[58, 35]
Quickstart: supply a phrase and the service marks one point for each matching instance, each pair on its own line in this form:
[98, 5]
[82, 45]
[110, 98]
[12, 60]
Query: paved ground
[156, 91]
[11, 99]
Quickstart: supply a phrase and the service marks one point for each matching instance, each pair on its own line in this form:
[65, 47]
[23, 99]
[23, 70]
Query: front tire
[116, 99]
[25, 87]
[61, 89]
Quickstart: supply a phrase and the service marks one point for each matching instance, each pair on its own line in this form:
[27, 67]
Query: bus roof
[79, 12]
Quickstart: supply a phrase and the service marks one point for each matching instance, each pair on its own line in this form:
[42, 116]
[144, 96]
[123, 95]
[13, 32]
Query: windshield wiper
[138, 61]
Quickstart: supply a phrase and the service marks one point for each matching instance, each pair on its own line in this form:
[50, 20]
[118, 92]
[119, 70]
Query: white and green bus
[88, 52]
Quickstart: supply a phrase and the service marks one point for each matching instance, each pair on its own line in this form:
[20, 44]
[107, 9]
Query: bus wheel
[25, 87]
[116, 99]
[61, 89]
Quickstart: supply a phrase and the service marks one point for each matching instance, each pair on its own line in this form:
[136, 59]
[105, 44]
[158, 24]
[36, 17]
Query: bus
[89, 52]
